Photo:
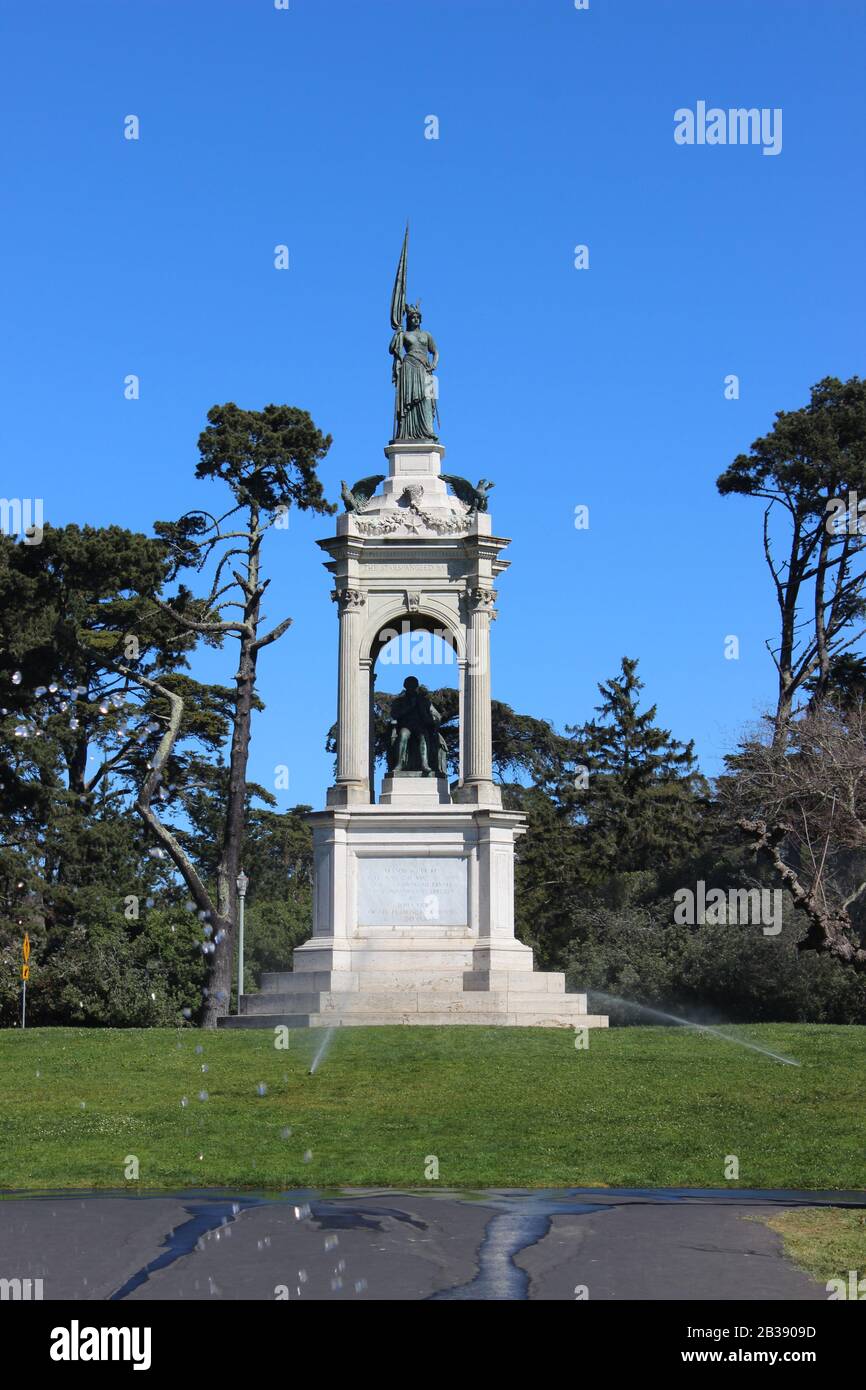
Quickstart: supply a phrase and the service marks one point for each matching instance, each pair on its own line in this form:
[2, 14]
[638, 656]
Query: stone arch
[431, 616]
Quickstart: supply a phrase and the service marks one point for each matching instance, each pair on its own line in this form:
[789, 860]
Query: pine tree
[641, 806]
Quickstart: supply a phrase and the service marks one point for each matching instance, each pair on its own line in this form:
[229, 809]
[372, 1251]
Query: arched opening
[420, 645]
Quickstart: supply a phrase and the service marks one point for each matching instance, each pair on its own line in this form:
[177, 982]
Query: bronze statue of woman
[412, 374]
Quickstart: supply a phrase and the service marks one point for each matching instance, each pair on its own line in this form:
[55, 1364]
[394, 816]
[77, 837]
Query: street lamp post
[242, 883]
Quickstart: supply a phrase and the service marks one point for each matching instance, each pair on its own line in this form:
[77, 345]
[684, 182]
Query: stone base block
[413, 792]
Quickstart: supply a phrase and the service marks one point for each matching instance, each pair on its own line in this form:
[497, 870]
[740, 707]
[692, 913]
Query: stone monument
[413, 918]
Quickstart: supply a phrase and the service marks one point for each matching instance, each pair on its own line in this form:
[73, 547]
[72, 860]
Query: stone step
[382, 954]
[266, 1021]
[550, 1018]
[287, 981]
[377, 958]
[525, 1003]
[448, 981]
[371, 1001]
[299, 1001]
[343, 1003]
[530, 981]
[511, 1002]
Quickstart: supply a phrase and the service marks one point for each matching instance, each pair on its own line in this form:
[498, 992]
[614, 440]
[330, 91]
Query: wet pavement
[608, 1244]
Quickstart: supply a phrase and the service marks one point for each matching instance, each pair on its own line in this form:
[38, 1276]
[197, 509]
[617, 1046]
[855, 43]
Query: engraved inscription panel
[407, 892]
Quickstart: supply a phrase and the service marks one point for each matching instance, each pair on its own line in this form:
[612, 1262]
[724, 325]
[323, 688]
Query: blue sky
[602, 387]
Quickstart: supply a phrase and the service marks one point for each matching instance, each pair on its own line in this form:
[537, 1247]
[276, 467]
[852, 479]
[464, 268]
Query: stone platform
[385, 987]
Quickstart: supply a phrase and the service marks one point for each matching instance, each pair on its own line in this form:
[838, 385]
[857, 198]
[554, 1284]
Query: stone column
[461, 720]
[477, 740]
[368, 683]
[352, 702]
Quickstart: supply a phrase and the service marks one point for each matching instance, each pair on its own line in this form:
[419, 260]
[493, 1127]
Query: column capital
[481, 600]
[348, 600]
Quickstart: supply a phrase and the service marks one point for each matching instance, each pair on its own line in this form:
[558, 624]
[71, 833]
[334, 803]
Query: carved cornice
[413, 520]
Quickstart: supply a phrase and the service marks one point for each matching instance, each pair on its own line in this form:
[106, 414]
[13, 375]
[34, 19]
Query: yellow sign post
[25, 976]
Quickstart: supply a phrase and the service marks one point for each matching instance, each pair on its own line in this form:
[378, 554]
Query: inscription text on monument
[407, 892]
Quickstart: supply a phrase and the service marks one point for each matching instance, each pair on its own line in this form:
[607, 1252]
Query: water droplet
[52, 689]
[336, 1284]
[198, 1049]
[302, 1212]
[262, 1089]
[202, 1095]
[73, 723]
[16, 677]
[205, 1067]
[21, 731]
[307, 1156]
[331, 1242]
[360, 1285]
[103, 708]
[303, 1276]
[286, 1134]
[39, 691]
[187, 1013]
[184, 1102]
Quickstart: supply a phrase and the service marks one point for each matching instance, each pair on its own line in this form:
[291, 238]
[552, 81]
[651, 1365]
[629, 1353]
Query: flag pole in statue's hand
[398, 310]
[398, 294]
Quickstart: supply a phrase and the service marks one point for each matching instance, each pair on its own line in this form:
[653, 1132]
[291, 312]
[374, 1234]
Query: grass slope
[497, 1107]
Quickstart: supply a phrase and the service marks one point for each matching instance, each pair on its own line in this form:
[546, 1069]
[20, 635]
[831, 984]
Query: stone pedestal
[414, 923]
[414, 792]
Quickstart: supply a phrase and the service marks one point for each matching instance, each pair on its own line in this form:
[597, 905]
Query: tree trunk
[225, 927]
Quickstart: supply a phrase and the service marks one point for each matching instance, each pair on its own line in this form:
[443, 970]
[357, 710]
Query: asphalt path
[604, 1244]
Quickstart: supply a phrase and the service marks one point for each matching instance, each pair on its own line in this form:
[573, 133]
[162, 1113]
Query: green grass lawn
[825, 1241]
[498, 1107]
